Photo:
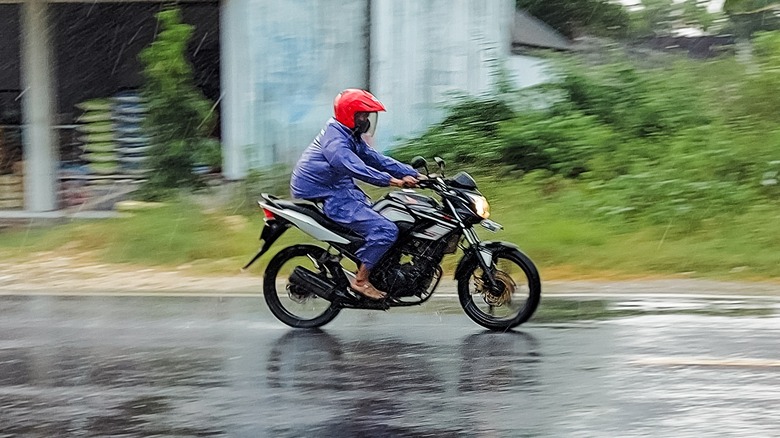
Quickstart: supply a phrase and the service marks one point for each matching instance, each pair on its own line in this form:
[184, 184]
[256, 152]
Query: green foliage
[545, 215]
[180, 118]
[467, 134]
[178, 232]
[760, 97]
[274, 180]
[562, 143]
[639, 103]
[678, 143]
[750, 16]
[663, 17]
[656, 17]
[695, 14]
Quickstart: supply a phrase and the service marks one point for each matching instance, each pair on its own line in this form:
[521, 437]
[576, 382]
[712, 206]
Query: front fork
[484, 256]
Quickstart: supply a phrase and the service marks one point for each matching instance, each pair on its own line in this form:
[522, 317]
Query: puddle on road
[202, 368]
[556, 310]
[697, 306]
[561, 310]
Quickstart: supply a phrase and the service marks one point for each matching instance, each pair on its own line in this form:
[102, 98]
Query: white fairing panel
[435, 232]
[396, 215]
[306, 224]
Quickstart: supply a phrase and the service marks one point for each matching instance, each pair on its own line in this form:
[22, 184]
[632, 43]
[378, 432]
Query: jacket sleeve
[379, 161]
[341, 157]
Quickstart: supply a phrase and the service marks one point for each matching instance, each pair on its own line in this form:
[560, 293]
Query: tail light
[268, 215]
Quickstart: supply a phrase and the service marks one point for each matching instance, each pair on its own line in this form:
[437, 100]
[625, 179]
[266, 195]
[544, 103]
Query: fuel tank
[407, 208]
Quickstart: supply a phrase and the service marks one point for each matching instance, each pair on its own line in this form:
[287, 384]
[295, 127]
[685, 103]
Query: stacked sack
[96, 133]
[133, 145]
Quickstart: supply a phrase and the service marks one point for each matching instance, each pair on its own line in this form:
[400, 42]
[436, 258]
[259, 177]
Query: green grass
[557, 232]
[564, 240]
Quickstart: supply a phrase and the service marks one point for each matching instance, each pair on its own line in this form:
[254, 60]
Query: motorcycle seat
[314, 211]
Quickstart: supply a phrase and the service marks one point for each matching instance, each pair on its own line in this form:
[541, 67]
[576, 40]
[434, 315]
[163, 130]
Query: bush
[273, 180]
[180, 118]
[682, 141]
[467, 135]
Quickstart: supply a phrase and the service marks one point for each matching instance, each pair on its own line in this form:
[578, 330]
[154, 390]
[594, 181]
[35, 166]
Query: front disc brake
[505, 285]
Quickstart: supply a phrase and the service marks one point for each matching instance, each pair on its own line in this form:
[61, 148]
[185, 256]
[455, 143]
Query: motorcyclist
[326, 172]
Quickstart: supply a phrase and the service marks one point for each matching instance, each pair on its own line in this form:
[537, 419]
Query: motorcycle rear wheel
[520, 283]
[293, 306]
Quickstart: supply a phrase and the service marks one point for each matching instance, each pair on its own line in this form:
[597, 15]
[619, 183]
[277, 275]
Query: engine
[411, 269]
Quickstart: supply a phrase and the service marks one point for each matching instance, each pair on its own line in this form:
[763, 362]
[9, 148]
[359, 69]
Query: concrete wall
[283, 62]
[527, 71]
[424, 51]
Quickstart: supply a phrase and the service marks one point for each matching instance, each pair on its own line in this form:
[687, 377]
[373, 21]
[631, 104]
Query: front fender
[486, 249]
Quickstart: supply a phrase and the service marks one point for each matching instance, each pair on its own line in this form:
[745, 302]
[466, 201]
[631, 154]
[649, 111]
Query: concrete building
[59, 53]
[277, 66]
[283, 65]
[529, 35]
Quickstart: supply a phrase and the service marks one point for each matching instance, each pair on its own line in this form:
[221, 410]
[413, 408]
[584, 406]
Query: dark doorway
[98, 75]
[10, 108]
[97, 46]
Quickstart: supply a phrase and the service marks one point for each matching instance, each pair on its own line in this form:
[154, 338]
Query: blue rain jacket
[327, 171]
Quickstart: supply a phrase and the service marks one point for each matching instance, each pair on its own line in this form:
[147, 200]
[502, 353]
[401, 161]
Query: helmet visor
[373, 119]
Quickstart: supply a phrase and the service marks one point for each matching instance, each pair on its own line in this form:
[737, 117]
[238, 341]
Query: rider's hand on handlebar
[409, 181]
[395, 182]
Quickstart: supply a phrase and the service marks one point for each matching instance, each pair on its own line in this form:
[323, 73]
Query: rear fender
[271, 231]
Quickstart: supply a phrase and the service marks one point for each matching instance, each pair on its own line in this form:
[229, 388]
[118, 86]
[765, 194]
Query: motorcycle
[306, 286]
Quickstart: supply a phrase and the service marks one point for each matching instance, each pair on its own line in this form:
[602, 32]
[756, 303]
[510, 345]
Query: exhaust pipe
[311, 282]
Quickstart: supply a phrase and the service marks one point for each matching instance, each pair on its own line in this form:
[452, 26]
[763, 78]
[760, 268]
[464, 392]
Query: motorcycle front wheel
[517, 297]
[295, 306]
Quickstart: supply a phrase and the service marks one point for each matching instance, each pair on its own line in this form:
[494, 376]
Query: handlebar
[435, 183]
[427, 183]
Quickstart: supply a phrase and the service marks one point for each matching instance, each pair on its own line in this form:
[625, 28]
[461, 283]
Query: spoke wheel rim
[294, 300]
[514, 285]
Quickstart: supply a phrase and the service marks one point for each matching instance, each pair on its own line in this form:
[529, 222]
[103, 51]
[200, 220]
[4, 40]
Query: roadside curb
[249, 286]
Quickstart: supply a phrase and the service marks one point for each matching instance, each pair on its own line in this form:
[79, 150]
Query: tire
[517, 273]
[296, 308]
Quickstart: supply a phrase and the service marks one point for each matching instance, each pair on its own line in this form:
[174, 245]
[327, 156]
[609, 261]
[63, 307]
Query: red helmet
[351, 101]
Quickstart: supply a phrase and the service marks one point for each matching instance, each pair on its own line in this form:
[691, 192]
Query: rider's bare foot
[367, 290]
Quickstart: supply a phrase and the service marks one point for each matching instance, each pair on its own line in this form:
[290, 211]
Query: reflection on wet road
[132, 366]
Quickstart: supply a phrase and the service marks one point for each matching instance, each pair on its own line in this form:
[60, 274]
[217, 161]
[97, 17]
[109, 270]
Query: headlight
[481, 206]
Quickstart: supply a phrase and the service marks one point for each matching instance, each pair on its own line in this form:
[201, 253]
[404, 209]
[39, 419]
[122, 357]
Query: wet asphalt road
[190, 366]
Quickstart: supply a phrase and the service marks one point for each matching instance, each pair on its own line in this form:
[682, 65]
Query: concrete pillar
[41, 155]
[236, 81]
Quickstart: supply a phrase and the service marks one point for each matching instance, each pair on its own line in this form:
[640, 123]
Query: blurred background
[613, 138]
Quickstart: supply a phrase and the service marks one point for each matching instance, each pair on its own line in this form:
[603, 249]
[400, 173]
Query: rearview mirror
[440, 162]
[419, 162]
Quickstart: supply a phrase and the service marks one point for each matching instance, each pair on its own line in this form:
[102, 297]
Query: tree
[694, 13]
[574, 18]
[656, 17]
[179, 116]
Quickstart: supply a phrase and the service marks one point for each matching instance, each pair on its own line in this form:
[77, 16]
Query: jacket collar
[344, 130]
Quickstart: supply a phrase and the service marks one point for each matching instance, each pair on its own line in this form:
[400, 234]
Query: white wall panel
[284, 64]
[424, 51]
[527, 71]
